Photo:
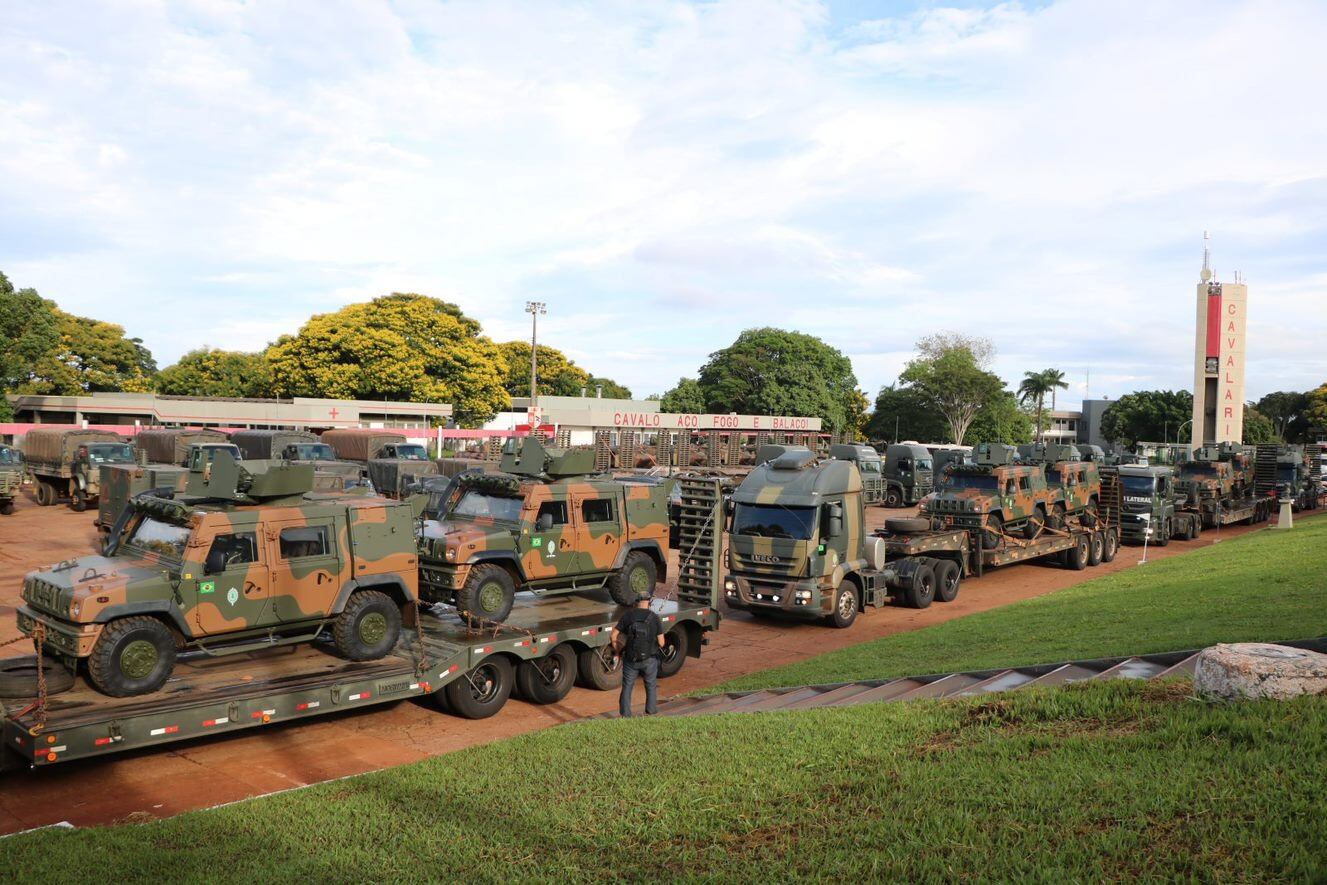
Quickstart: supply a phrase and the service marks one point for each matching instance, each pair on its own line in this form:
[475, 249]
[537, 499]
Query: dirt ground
[162, 782]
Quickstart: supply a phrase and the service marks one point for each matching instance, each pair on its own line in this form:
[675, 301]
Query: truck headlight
[74, 609]
[451, 554]
[730, 586]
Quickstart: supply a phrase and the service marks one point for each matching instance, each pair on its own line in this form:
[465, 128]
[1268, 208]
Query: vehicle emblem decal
[233, 596]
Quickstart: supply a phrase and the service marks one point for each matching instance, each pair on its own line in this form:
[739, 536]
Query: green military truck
[164, 458]
[1151, 506]
[300, 447]
[11, 477]
[1296, 478]
[66, 462]
[388, 460]
[246, 560]
[547, 524]
[798, 546]
[175, 445]
[902, 477]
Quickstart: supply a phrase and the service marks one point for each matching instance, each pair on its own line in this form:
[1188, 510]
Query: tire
[18, 676]
[1163, 537]
[132, 656]
[1196, 528]
[7, 508]
[993, 534]
[45, 493]
[482, 691]
[79, 502]
[1089, 516]
[921, 592]
[1035, 524]
[846, 604]
[1056, 520]
[488, 594]
[636, 578]
[907, 525]
[547, 680]
[893, 498]
[677, 643]
[368, 627]
[948, 576]
[1078, 554]
[1111, 545]
[1096, 548]
[593, 672]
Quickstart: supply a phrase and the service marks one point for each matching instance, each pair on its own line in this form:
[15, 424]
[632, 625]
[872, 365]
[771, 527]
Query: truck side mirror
[834, 512]
[544, 523]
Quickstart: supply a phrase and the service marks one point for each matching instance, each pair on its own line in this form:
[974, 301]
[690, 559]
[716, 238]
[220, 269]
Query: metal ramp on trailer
[700, 540]
[1264, 470]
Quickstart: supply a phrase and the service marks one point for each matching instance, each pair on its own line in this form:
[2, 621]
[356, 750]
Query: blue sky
[667, 174]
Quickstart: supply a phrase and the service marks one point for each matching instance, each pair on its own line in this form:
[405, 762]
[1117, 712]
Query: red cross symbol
[334, 413]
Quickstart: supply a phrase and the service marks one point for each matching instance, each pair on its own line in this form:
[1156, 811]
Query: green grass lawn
[1098, 780]
[1261, 586]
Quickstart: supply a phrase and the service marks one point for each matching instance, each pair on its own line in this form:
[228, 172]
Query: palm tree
[1033, 389]
[1054, 379]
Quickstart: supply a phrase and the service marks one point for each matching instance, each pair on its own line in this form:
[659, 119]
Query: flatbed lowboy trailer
[544, 646]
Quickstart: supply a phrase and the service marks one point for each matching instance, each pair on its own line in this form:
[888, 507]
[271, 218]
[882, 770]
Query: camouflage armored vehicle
[389, 460]
[65, 462]
[11, 477]
[174, 445]
[1076, 478]
[301, 447]
[995, 494]
[547, 524]
[247, 559]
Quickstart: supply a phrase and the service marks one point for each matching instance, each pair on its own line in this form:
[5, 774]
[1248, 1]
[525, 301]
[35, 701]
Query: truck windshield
[774, 521]
[9, 456]
[872, 467]
[1203, 467]
[1285, 473]
[981, 481]
[925, 464]
[475, 503]
[160, 537]
[110, 453]
[311, 452]
[1138, 485]
[411, 453]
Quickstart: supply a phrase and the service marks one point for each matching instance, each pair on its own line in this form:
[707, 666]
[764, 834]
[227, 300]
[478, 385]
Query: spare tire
[907, 525]
[18, 676]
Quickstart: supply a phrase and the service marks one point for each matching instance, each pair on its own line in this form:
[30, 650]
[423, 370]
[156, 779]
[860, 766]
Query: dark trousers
[650, 670]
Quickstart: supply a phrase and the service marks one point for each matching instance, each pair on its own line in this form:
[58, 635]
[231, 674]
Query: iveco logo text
[765, 557]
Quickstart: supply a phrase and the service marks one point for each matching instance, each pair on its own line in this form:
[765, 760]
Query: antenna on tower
[1206, 275]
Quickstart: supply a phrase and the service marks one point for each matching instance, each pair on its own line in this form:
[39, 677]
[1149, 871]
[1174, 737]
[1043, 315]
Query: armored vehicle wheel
[846, 604]
[1110, 545]
[1036, 522]
[1056, 519]
[18, 676]
[674, 652]
[636, 578]
[921, 592]
[947, 578]
[893, 498]
[907, 525]
[1163, 535]
[481, 692]
[368, 627]
[1079, 553]
[132, 656]
[547, 680]
[79, 502]
[488, 594]
[6, 508]
[993, 534]
[1089, 516]
[1096, 547]
[599, 668]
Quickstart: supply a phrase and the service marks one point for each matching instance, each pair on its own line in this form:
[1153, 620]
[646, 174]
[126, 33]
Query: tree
[1002, 421]
[558, 375]
[611, 389]
[1146, 415]
[1286, 410]
[932, 347]
[91, 356]
[953, 384]
[903, 413]
[400, 346]
[1033, 389]
[1315, 413]
[685, 398]
[29, 329]
[1258, 428]
[771, 371]
[211, 372]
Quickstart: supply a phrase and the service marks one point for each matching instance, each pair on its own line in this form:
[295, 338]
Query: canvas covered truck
[173, 445]
[301, 447]
[387, 458]
[543, 648]
[65, 462]
[11, 477]
[798, 546]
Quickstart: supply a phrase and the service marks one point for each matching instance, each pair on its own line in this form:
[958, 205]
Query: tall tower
[1218, 359]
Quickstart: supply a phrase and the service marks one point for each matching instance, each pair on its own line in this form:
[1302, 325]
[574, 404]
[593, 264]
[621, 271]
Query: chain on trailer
[40, 704]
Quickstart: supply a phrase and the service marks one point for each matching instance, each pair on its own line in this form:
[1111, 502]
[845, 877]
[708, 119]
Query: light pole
[1181, 430]
[534, 309]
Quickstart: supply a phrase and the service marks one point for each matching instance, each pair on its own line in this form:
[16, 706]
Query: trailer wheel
[1096, 549]
[481, 692]
[993, 533]
[599, 668]
[1036, 522]
[1163, 535]
[368, 627]
[635, 579]
[132, 656]
[1110, 545]
[676, 644]
[893, 497]
[547, 680]
[79, 502]
[947, 578]
[18, 676]
[921, 592]
[1079, 553]
[1195, 528]
[846, 604]
[488, 593]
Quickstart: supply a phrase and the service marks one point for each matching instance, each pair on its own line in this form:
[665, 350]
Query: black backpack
[642, 640]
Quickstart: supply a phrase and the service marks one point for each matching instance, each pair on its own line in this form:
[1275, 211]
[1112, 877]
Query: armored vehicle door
[598, 518]
[234, 591]
[307, 568]
[1018, 499]
[549, 549]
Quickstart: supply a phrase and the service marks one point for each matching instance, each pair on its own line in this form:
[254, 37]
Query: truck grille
[761, 564]
[41, 594]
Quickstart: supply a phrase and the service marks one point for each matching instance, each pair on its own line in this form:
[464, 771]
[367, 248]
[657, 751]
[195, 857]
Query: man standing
[639, 638]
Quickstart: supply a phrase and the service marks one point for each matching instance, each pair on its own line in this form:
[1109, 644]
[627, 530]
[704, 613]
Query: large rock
[1259, 670]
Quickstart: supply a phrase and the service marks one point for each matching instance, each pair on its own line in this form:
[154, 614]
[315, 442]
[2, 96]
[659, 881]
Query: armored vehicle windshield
[110, 453]
[163, 537]
[774, 521]
[982, 481]
[477, 504]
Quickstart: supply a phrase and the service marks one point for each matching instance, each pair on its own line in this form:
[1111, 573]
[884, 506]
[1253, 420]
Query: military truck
[798, 546]
[247, 559]
[65, 462]
[299, 446]
[996, 495]
[1151, 500]
[909, 474]
[388, 460]
[11, 477]
[1218, 485]
[547, 524]
[1077, 480]
[174, 445]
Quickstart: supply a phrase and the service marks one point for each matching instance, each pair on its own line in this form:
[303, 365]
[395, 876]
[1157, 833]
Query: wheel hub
[138, 659]
[845, 605]
[490, 597]
[373, 628]
[639, 580]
